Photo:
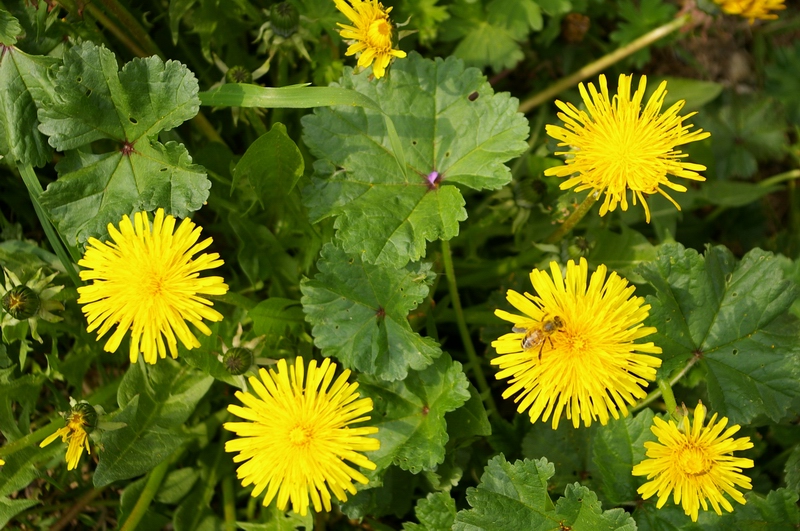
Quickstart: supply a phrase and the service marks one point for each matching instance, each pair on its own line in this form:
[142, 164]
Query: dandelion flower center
[574, 349]
[148, 282]
[618, 146]
[297, 436]
[694, 462]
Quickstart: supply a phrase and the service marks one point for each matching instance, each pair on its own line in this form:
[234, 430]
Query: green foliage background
[338, 243]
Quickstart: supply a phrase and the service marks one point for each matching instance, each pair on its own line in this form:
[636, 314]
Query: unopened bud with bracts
[238, 360]
[21, 302]
[86, 413]
[238, 74]
[284, 18]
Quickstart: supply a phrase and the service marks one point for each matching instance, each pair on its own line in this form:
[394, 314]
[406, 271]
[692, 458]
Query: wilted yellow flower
[573, 348]
[297, 435]
[147, 282]
[81, 420]
[695, 463]
[617, 146]
[370, 35]
[752, 9]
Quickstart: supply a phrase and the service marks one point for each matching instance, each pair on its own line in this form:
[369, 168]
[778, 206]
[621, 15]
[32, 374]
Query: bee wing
[519, 329]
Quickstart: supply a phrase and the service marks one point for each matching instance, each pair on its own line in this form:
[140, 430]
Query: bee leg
[540, 352]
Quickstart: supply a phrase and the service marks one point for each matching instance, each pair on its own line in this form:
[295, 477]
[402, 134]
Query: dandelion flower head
[81, 420]
[370, 35]
[146, 281]
[695, 463]
[297, 435]
[752, 9]
[618, 146]
[590, 365]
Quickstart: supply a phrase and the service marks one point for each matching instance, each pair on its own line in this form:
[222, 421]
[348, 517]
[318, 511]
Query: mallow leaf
[733, 317]
[94, 101]
[515, 496]
[359, 314]
[9, 28]
[448, 120]
[436, 512]
[26, 86]
[410, 414]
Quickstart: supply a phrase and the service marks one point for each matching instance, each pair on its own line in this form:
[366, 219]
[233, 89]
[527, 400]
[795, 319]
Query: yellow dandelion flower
[695, 463]
[752, 9]
[297, 437]
[573, 348]
[2, 462]
[81, 420]
[370, 36]
[617, 146]
[147, 282]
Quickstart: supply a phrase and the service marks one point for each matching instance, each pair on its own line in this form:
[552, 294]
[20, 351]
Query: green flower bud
[238, 74]
[88, 413]
[21, 302]
[284, 18]
[238, 360]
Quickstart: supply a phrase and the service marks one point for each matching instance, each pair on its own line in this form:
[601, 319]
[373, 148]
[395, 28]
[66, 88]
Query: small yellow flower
[147, 282]
[371, 34]
[2, 462]
[297, 437]
[81, 420]
[573, 349]
[695, 463]
[617, 146]
[752, 9]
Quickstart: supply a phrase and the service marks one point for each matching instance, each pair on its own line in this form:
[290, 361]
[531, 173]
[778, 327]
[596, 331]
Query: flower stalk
[574, 218]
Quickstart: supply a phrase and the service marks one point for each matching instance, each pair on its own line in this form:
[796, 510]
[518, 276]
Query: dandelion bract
[618, 146]
[297, 436]
[591, 366]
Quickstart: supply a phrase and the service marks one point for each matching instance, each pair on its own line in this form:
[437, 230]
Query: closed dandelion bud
[88, 414]
[284, 18]
[21, 302]
[238, 74]
[238, 360]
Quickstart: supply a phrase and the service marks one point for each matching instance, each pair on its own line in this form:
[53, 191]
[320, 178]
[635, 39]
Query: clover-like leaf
[515, 496]
[359, 314]
[25, 87]
[453, 130]
[410, 414]
[733, 317]
[94, 101]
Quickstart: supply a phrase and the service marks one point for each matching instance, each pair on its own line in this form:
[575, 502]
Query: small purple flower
[433, 177]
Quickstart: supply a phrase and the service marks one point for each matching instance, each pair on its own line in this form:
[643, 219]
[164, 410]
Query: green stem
[115, 30]
[658, 392]
[669, 396]
[281, 81]
[574, 218]
[229, 503]
[780, 178]
[76, 509]
[601, 64]
[154, 480]
[474, 361]
[35, 191]
[132, 24]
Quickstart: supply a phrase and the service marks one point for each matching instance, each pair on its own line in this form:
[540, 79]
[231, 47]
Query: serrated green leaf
[410, 414]
[792, 470]
[616, 448]
[271, 166]
[514, 496]
[436, 512]
[519, 17]
[488, 45]
[9, 29]
[566, 448]
[382, 214]
[778, 510]
[359, 314]
[93, 101]
[734, 316]
[153, 409]
[10, 508]
[26, 86]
